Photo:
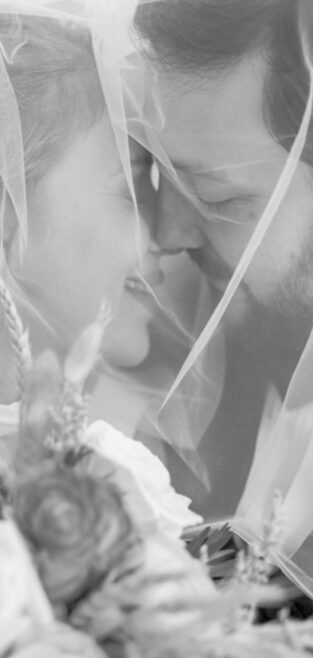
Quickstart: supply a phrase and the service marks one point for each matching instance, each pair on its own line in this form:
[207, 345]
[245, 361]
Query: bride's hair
[209, 37]
[54, 76]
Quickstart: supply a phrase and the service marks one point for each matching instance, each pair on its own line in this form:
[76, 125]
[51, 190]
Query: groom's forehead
[217, 106]
[213, 125]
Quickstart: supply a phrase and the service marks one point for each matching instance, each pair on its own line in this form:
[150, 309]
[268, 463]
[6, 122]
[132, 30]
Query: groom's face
[227, 166]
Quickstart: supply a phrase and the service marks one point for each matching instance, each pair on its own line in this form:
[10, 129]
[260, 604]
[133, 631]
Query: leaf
[213, 538]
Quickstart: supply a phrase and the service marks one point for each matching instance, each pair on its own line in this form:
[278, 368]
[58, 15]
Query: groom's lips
[215, 270]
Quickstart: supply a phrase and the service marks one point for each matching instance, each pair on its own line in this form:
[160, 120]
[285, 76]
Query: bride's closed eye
[140, 176]
[232, 203]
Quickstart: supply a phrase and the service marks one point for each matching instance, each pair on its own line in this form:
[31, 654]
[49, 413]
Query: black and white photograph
[156, 328]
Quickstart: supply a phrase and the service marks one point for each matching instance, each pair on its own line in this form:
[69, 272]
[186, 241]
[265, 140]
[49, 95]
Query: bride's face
[84, 243]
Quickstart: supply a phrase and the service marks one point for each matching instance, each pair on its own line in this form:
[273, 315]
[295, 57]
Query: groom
[233, 89]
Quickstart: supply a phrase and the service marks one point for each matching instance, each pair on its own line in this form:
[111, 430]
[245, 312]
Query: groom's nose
[177, 222]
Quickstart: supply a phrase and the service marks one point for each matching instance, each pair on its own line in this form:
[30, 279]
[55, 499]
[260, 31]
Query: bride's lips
[135, 285]
[143, 285]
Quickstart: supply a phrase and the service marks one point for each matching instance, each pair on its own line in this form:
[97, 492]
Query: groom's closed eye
[234, 206]
[236, 209]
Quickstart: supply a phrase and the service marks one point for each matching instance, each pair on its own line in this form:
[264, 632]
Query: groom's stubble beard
[270, 326]
[273, 332]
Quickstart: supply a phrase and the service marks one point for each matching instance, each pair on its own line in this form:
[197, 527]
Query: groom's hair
[209, 37]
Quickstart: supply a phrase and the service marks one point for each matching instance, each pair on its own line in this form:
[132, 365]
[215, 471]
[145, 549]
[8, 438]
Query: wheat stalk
[18, 337]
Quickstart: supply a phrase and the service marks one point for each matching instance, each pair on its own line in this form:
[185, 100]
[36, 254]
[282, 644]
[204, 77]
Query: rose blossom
[75, 525]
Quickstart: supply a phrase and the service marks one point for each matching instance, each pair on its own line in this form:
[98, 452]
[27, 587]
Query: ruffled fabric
[149, 496]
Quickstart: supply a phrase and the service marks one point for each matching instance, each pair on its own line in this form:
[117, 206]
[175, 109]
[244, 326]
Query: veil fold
[241, 477]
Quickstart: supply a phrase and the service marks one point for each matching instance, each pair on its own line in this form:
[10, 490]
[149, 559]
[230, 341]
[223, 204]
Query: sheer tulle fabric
[229, 461]
[238, 474]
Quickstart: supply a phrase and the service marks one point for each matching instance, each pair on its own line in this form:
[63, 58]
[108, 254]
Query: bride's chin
[128, 341]
[128, 346]
[128, 351]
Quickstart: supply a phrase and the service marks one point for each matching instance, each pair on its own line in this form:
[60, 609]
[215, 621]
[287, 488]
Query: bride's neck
[115, 401]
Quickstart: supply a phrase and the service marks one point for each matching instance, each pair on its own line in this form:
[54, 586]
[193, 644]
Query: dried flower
[156, 602]
[52, 416]
[76, 528]
[103, 612]
[41, 394]
[65, 440]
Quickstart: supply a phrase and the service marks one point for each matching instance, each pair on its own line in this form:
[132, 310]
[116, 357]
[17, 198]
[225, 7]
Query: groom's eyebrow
[209, 176]
[196, 167]
[221, 173]
[216, 176]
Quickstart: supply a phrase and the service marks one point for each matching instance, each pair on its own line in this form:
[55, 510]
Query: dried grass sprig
[66, 439]
[18, 336]
[254, 566]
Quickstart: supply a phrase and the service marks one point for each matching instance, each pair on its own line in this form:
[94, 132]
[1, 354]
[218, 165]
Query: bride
[75, 231]
[77, 207]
